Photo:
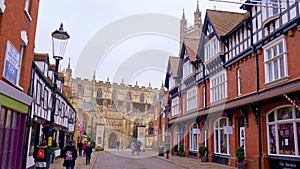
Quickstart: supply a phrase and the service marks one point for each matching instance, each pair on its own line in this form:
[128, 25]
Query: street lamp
[59, 42]
[92, 114]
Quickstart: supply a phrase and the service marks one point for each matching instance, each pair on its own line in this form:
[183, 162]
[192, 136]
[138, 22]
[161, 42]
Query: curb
[164, 159]
[94, 160]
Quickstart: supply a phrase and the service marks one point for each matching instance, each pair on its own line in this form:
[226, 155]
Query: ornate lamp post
[59, 42]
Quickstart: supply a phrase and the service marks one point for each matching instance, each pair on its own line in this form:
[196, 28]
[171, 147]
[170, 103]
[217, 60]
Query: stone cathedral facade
[120, 108]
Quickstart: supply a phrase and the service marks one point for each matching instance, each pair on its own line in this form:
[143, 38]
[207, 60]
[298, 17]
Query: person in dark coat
[69, 155]
[79, 146]
[40, 155]
[88, 153]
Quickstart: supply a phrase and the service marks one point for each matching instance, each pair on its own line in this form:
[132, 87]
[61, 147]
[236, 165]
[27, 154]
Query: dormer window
[272, 8]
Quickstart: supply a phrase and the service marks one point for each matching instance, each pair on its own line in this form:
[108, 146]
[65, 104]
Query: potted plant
[240, 155]
[202, 153]
[181, 149]
[175, 150]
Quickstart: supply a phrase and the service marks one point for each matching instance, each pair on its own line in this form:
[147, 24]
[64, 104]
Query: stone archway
[112, 139]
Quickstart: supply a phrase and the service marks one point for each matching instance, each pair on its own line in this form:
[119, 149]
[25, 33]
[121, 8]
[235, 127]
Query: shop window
[221, 142]
[283, 131]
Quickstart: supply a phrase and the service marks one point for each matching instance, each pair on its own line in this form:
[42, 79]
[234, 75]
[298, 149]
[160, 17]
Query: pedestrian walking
[79, 146]
[69, 155]
[132, 146]
[40, 155]
[118, 145]
[88, 153]
[138, 148]
[84, 146]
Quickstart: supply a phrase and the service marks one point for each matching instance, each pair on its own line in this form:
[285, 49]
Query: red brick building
[247, 84]
[18, 20]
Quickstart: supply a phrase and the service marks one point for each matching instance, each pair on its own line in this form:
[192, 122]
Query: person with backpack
[88, 152]
[40, 155]
[69, 155]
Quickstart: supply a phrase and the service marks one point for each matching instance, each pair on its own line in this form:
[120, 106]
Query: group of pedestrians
[135, 147]
[87, 150]
[69, 154]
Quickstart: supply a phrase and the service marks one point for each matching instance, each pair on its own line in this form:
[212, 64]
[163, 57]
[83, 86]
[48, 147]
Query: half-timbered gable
[171, 83]
[41, 90]
[187, 64]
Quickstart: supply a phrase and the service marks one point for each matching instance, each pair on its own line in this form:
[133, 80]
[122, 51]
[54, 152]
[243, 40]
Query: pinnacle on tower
[94, 76]
[69, 67]
[197, 17]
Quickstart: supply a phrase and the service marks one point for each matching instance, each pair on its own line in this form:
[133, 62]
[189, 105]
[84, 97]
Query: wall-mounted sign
[228, 130]
[196, 131]
[11, 65]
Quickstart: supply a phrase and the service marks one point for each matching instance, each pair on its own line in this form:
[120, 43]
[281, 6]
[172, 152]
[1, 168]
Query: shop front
[14, 107]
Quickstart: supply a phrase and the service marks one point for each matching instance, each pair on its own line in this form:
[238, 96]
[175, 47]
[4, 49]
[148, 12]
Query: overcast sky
[119, 39]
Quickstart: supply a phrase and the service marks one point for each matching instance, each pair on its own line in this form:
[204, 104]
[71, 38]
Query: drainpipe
[259, 140]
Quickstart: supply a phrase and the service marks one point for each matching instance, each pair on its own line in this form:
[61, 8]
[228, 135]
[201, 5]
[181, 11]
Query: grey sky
[92, 25]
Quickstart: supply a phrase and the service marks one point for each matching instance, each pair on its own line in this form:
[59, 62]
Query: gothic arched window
[99, 93]
[80, 90]
[128, 96]
[142, 98]
[114, 95]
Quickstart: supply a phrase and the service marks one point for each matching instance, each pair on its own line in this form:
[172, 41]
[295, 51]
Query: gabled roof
[225, 21]
[192, 47]
[172, 69]
[173, 63]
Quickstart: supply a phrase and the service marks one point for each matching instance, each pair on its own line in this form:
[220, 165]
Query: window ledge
[28, 15]
[277, 82]
[2, 6]
[270, 19]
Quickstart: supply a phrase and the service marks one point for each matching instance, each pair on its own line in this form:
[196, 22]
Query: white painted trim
[24, 37]
[2, 6]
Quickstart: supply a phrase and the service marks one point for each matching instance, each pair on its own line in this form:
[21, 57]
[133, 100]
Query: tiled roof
[225, 21]
[191, 47]
[41, 56]
[174, 62]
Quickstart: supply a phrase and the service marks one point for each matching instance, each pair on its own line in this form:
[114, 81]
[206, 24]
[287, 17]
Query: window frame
[239, 82]
[293, 120]
[211, 49]
[193, 136]
[218, 87]
[27, 9]
[217, 150]
[268, 12]
[175, 106]
[192, 96]
[272, 59]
